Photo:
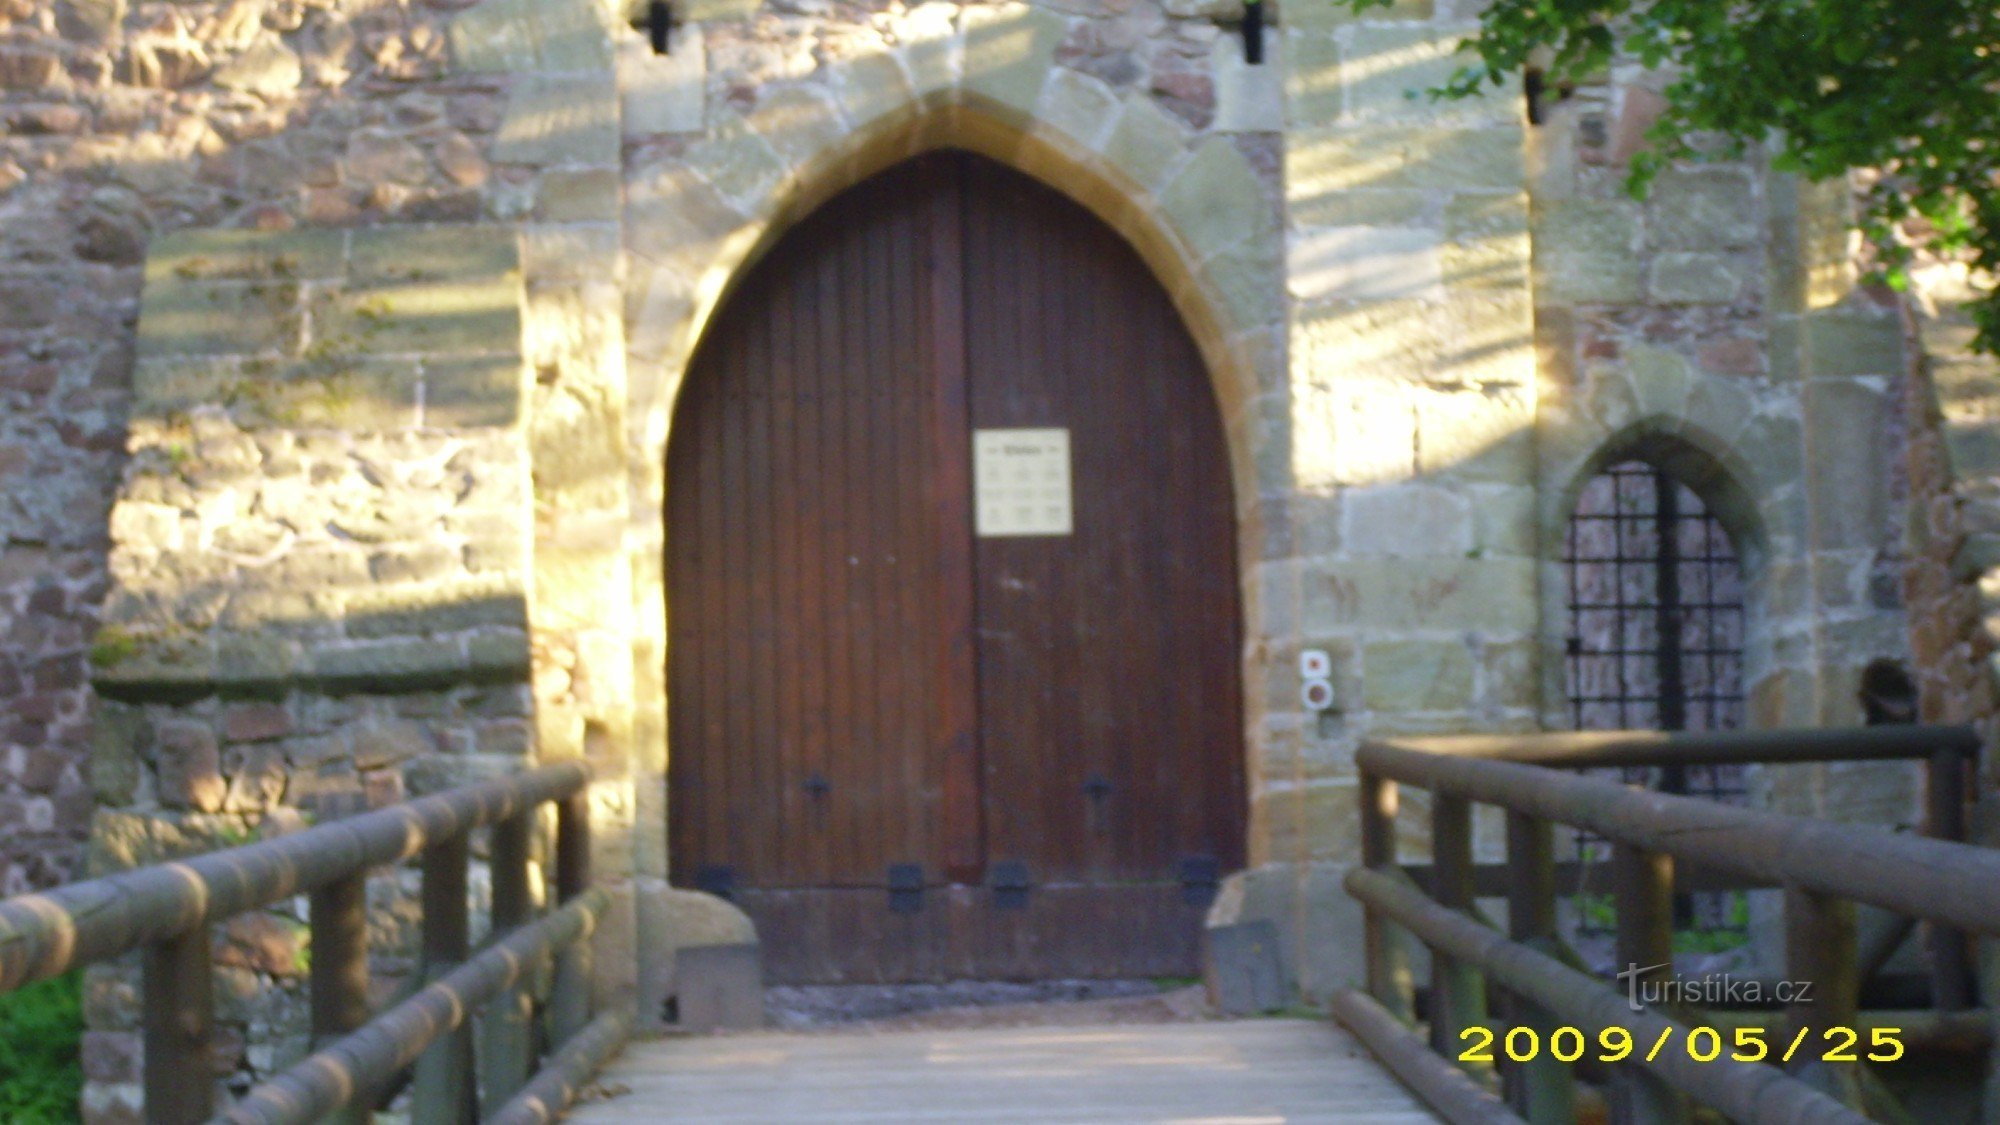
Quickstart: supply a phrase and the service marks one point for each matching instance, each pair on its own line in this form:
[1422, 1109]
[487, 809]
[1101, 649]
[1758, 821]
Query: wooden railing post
[443, 1091]
[1389, 980]
[1458, 994]
[507, 1057]
[1820, 951]
[1543, 1090]
[179, 1014]
[339, 984]
[1952, 983]
[1643, 887]
[569, 1009]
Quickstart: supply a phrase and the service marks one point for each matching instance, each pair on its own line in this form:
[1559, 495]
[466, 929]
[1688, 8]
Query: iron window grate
[1655, 598]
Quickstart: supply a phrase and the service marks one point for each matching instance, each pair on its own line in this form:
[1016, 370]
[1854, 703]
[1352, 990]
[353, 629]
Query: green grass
[41, 1076]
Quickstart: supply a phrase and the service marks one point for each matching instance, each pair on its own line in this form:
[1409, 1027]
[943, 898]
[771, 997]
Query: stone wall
[1954, 519]
[124, 122]
[364, 495]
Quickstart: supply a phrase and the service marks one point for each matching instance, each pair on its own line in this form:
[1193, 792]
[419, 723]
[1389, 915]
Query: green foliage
[41, 1076]
[111, 646]
[1910, 88]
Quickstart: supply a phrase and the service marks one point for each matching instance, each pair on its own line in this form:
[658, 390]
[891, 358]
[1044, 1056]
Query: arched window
[1655, 641]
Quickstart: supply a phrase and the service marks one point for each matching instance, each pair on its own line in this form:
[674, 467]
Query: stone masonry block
[1852, 345]
[1711, 208]
[1078, 106]
[561, 119]
[664, 93]
[1215, 202]
[462, 393]
[1417, 675]
[416, 254]
[1408, 519]
[1243, 968]
[870, 85]
[515, 36]
[454, 316]
[799, 123]
[1693, 278]
[1145, 144]
[189, 317]
[245, 255]
[1386, 69]
[1009, 50]
[1365, 264]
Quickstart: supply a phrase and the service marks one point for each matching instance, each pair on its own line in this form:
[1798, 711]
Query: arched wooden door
[934, 715]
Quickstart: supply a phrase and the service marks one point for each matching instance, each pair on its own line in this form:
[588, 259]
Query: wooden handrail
[1590, 749]
[44, 934]
[1824, 869]
[1937, 880]
[1742, 1091]
[356, 1067]
[166, 910]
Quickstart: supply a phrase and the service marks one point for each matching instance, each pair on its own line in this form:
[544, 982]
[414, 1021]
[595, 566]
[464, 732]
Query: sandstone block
[870, 85]
[561, 119]
[1248, 99]
[703, 972]
[1385, 71]
[513, 36]
[1417, 675]
[245, 255]
[1145, 143]
[1409, 519]
[1216, 202]
[219, 318]
[1685, 277]
[1009, 50]
[665, 93]
[1706, 209]
[1365, 264]
[1851, 345]
[1078, 106]
[1243, 968]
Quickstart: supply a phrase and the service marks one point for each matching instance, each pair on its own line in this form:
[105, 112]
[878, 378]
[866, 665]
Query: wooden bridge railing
[166, 910]
[1824, 868]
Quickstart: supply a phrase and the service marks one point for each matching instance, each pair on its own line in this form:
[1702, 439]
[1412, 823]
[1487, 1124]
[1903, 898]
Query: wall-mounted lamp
[1253, 32]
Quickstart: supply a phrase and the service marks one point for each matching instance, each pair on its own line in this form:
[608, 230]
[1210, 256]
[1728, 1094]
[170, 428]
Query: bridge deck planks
[1214, 1073]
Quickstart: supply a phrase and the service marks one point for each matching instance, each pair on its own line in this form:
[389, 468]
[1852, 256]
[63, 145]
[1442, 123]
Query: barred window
[1655, 639]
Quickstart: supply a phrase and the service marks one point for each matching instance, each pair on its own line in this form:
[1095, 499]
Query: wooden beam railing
[166, 911]
[1824, 869]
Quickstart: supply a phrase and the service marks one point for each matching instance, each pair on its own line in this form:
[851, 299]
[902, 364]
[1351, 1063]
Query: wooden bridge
[539, 1043]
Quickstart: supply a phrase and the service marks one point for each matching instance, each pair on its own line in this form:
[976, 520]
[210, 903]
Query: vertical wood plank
[1543, 1090]
[1643, 886]
[1820, 948]
[443, 1089]
[570, 1003]
[177, 1024]
[338, 913]
[507, 1043]
[1458, 994]
[950, 497]
[1953, 987]
[1389, 978]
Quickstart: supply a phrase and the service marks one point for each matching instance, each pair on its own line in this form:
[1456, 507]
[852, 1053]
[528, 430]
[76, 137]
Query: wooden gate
[918, 741]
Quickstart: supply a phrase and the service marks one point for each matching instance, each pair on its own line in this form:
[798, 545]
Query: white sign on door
[1020, 482]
